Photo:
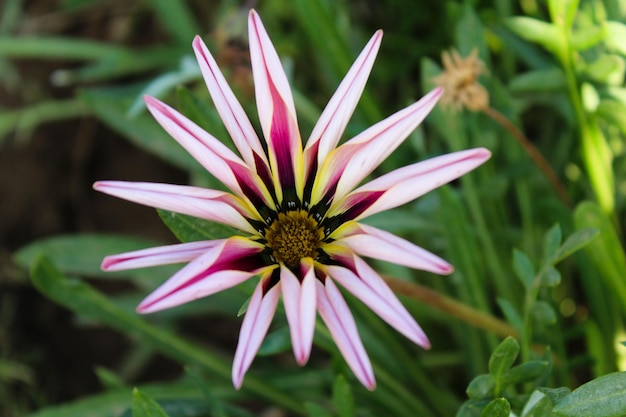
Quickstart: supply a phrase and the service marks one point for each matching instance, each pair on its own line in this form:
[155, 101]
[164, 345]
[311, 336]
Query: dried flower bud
[460, 81]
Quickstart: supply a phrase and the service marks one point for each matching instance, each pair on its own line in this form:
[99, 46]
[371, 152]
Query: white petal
[378, 244]
[229, 263]
[338, 318]
[407, 183]
[299, 300]
[203, 203]
[228, 107]
[160, 255]
[335, 117]
[254, 328]
[365, 284]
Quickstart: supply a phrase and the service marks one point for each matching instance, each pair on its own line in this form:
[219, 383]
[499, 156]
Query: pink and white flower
[298, 209]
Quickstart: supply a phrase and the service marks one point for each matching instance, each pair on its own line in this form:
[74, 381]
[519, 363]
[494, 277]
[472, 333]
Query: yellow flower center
[293, 236]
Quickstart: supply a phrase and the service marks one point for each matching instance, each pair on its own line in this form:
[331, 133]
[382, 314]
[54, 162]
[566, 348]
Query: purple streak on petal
[229, 109]
[407, 183]
[349, 164]
[253, 329]
[335, 117]
[199, 202]
[365, 284]
[233, 261]
[299, 300]
[353, 208]
[277, 113]
[220, 161]
[160, 255]
[338, 318]
[378, 244]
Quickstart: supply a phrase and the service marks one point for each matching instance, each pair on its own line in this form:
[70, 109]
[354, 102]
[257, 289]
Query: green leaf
[551, 242]
[543, 312]
[498, 407]
[606, 69]
[503, 358]
[192, 229]
[536, 31]
[574, 242]
[108, 379]
[526, 372]
[524, 269]
[544, 80]
[587, 37]
[82, 254]
[601, 397]
[343, 400]
[85, 301]
[550, 277]
[276, 342]
[144, 406]
[178, 19]
[511, 314]
[111, 107]
[615, 33]
[612, 112]
[480, 387]
[562, 12]
[314, 410]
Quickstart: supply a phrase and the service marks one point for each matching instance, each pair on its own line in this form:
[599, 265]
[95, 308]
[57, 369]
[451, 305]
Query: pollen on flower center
[293, 236]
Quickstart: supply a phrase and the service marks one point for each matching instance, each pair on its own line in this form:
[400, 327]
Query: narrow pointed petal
[406, 184]
[212, 154]
[227, 264]
[338, 318]
[335, 117]
[203, 203]
[229, 108]
[365, 284]
[255, 324]
[277, 113]
[374, 243]
[299, 300]
[160, 255]
[349, 164]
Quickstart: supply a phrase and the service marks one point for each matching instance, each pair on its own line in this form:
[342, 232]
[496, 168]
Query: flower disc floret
[294, 236]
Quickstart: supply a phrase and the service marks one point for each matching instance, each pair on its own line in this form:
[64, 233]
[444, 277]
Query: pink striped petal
[349, 164]
[378, 244]
[203, 203]
[229, 109]
[160, 255]
[407, 183]
[277, 113]
[338, 318]
[299, 301]
[229, 263]
[365, 284]
[335, 117]
[212, 154]
[254, 328]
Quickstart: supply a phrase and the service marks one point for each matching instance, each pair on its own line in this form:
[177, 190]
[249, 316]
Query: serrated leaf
[575, 242]
[551, 242]
[192, 229]
[498, 407]
[543, 312]
[144, 406]
[525, 372]
[536, 31]
[503, 358]
[550, 277]
[524, 268]
[343, 400]
[601, 397]
[480, 387]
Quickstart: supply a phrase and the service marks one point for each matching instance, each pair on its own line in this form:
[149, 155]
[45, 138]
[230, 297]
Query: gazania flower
[298, 210]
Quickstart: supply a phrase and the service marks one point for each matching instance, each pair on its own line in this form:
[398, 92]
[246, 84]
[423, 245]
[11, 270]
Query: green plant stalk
[81, 298]
[595, 151]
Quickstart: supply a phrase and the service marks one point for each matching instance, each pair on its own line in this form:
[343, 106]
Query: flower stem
[452, 307]
[532, 151]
